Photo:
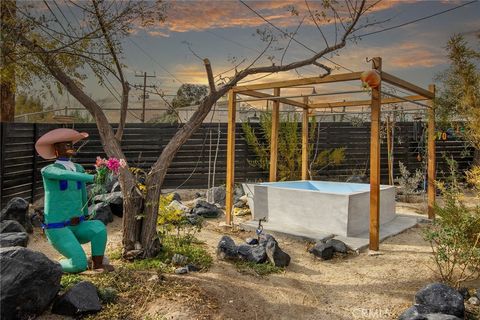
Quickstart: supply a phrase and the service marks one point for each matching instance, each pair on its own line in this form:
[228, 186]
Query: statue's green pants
[67, 241]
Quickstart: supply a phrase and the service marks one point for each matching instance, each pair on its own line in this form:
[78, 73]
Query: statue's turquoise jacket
[65, 192]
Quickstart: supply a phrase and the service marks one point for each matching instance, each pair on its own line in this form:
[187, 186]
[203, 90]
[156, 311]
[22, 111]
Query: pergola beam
[388, 78]
[364, 102]
[267, 96]
[300, 82]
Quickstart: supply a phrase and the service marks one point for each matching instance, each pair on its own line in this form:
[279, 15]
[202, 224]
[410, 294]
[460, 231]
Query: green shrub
[455, 235]
[69, 280]
[260, 269]
[289, 147]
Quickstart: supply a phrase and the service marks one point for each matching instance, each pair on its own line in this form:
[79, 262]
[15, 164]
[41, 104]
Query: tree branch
[125, 86]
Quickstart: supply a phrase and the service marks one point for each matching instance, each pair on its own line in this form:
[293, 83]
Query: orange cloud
[185, 16]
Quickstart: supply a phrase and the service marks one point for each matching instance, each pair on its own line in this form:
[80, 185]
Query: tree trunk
[155, 178]
[7, 83]
[476, 157]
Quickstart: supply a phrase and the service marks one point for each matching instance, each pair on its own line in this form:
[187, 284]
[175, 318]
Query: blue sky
[224, 31]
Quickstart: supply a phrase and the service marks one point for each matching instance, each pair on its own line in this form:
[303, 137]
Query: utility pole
[137, 86]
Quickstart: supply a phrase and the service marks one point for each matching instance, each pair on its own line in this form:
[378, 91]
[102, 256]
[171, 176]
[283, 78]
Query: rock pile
[267, 249]
[436, 301]
[325, 250]
[29, 281]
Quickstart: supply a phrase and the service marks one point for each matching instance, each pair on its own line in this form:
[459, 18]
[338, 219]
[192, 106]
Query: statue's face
[64, 149]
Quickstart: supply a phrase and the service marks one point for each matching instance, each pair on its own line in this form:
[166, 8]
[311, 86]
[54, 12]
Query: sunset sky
[224, 31]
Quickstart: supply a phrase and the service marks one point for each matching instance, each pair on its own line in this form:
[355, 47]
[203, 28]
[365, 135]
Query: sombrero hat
[44, 145]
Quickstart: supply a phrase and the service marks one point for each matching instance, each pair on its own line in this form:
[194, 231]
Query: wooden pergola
[375, 104]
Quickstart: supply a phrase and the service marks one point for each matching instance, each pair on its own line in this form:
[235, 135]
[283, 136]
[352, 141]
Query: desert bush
[174, 222]
[409, 182]
[455, 235]
[289, 146]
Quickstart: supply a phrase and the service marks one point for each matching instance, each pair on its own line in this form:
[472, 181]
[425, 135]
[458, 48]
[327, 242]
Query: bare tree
[99, 47]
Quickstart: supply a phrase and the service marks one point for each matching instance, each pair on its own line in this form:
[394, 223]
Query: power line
[305, 46]
[155, 61]
[414, 21]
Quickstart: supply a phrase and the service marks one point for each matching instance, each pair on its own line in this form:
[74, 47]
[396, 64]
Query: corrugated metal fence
[142, 143]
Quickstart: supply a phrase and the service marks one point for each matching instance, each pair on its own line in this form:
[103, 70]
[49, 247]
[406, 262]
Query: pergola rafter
[375, 103]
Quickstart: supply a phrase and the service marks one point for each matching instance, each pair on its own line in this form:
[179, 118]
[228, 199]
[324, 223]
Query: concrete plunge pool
[319, 210]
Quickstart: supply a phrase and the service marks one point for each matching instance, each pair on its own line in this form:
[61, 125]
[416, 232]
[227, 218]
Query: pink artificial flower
[113, 164]
[100, 162]
[123, 163]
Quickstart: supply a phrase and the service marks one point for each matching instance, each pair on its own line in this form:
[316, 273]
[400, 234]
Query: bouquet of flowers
[105, 170]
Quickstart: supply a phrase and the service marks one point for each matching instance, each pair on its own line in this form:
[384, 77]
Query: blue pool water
[322, 186]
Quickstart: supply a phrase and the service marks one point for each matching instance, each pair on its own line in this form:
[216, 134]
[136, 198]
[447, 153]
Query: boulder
[322, 250]
[439, 316]
[115, 200]
[205, 209]
[101, 211]
[474, 300]
[182, 270]
[440, 298]
[112, 184]
[179, 260]
[264, 238]
[11, 226]
[414, 312]
[337, 245]
[81, 299]
[478, 293]
[238, 193]
[177, 205]
[217, 195]
[276, 255]
[251, 241]
[464, 292]
[176, 197]
[17, 209]
[255, 254]
[29, 282]
[226, 249]
[192, 268]
[12, 239]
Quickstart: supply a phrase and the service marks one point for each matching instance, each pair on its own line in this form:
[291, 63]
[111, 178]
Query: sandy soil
[358, 286]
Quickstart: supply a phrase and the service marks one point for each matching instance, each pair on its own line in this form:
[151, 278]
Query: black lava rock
[29, 282]
[337, 245]
[17, 209]
[101, 211]
[81, 299]
[440, 298]
[255, 254]
[251, 241]
[226, 249]
[322, 250]
[13, 239]
[206, 210]
[276, 255]
[11, 226]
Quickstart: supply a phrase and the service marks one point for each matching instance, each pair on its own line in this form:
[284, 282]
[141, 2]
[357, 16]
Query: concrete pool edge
[399, 224]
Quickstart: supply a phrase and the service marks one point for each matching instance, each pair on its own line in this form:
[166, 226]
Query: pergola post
[305, 141]
[232, 105]
[375, 160]
[274, 136]
[431, 156]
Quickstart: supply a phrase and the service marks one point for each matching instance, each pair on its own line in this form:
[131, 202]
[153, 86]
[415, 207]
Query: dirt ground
[358, 286]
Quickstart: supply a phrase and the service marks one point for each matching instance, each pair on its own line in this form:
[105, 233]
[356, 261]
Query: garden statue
[66, 223]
